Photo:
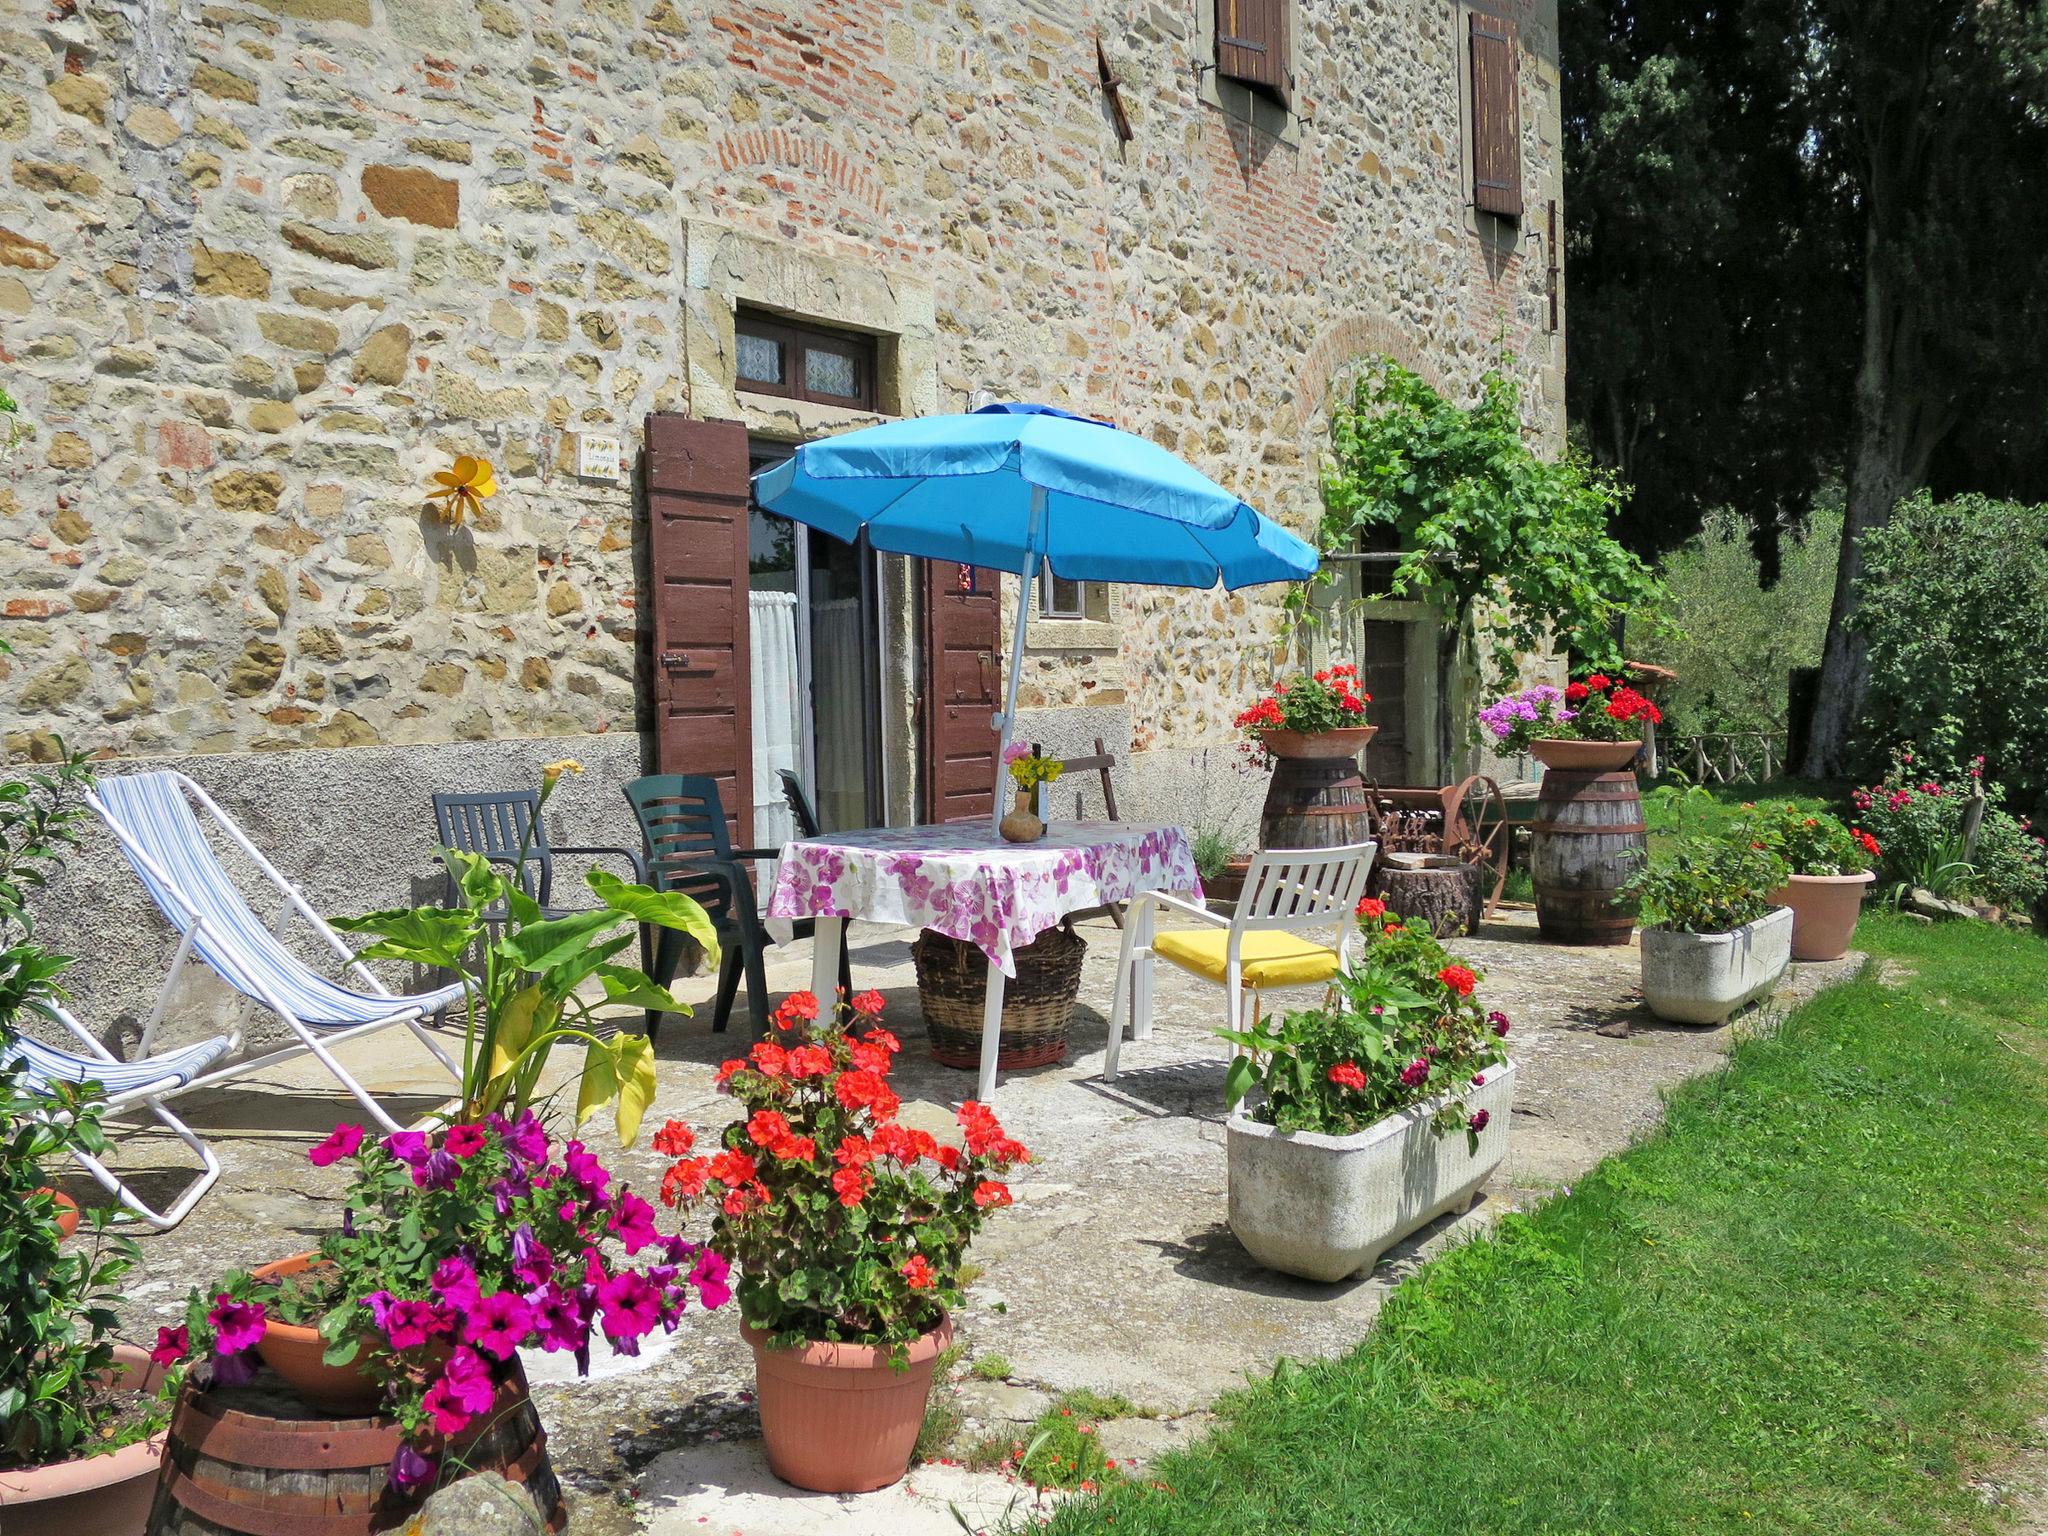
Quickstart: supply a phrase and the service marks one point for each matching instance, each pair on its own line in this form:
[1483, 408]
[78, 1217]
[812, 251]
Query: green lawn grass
[1811, 1303]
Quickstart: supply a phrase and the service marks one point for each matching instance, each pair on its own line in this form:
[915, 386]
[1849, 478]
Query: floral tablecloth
[964, 881]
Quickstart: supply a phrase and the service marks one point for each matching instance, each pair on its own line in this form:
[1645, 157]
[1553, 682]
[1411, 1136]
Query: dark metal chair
[494, 824]
[689, 849]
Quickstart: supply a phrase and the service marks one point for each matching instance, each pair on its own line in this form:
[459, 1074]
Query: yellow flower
[553, 771]
[464, 489]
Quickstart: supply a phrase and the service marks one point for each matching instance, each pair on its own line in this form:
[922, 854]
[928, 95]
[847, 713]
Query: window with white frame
[1060, 598]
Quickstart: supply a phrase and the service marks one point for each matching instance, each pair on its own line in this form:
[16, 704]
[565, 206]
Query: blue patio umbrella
[1020, 487]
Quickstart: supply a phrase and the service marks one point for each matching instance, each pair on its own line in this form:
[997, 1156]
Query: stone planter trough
[1327, 1207]
[1702, 978]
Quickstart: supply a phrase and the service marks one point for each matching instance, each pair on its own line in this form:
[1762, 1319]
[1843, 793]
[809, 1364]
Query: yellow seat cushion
[1270, 958]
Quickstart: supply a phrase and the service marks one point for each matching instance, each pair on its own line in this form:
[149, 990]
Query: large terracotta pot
[295, 1353]
[835, 1417]
[89, 1495]
[1587, 756]
[1824, 912]
[1347, 741]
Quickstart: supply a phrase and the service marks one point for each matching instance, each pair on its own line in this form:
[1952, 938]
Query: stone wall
[266, 264]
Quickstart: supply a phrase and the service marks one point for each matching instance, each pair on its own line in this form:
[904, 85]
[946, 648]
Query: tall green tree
[1806, 233]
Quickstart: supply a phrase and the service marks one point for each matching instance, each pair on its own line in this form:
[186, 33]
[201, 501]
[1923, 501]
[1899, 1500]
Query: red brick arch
[1352, 340]
[822, 164]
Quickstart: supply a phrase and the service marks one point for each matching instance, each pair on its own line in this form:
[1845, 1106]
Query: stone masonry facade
[267, 264]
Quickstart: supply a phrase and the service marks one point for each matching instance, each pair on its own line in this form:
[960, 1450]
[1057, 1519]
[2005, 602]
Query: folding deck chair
[126, 1085]
[152, 817]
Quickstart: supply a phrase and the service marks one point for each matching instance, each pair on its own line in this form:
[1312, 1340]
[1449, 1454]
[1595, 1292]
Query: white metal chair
[125, 1085]
[152, 817]
[1288, 894]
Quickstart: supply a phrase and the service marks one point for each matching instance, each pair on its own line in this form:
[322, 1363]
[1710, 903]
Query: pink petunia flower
[341, 1142]
[464, 1140]
[631, 1308]
[237, 1325]
[632, 1222]
[498, 1323]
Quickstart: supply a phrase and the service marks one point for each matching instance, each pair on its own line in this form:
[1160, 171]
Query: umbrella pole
[1006, 722]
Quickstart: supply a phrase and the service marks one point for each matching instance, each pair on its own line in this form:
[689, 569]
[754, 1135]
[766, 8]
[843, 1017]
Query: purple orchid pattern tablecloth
[964, 881]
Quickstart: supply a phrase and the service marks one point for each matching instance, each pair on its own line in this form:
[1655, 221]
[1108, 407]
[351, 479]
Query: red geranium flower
[988, 1192]
[868, 1003]
[1370, 907]
[1458, 979]
[852, 1185]
[1575, 693]
[675, 1138]
[918, 1272]
[1600, 681]
[1346, 1075]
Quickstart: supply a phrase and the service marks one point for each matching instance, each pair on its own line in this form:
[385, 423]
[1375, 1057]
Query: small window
[805, 362]
[1060, 598]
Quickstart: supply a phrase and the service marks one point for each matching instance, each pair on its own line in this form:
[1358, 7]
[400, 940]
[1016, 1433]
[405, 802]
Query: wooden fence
[1729, 757]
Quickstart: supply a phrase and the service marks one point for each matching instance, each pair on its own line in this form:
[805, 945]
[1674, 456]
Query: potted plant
[80, 1424]
[1355, 1123]
[1310, 715]
[1831, 867]
[848, 1230]
[525, 976]
[455, 1253]
[1716, 940]
[1595, 724]
[1022, 824]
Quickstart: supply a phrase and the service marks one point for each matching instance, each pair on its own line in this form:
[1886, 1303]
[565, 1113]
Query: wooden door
[697, 494]
[962, 645]
[1383, 673]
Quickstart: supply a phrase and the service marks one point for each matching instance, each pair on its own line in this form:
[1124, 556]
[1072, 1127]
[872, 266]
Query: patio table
[964, 881]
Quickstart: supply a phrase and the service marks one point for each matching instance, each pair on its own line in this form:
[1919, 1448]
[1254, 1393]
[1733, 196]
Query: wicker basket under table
[1038, 1005]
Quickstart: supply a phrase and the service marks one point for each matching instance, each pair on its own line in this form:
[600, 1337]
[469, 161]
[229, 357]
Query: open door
[962, 641]
[697, 493]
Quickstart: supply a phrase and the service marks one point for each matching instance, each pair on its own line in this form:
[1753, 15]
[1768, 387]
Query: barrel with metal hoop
[1317, 797]
[256, 1461]
[1588, 839]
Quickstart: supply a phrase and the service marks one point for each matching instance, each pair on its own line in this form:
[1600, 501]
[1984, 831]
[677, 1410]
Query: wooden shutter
[1496, 117]
[697, 499]
[962, 636]
[1251, 44]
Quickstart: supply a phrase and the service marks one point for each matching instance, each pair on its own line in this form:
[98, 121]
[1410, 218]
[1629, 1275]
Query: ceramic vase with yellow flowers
[463, 489]
[525, 977]
[1023, 824]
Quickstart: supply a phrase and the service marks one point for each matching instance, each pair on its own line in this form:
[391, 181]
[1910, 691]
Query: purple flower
[1414, 1072]
[532, 1264]
[439, 1171]
[234, 1370]
[341, 1142]
[455, 1283]
[498, 1322]
[525, 1138]
[409, 1468]
[1479, 1119]
[632, 1221]
[237, 1325]
[585, 1171]
[409, 1147]
[711, 1276]
[409, 1324]
[631, 1307]
[558, 1320]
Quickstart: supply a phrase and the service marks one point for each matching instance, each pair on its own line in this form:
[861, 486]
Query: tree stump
[1449, 895]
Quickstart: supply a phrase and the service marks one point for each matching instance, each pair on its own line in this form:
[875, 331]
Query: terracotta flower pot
[1824, 912]
[295, 1352]
[89, 1495]
[835, 1417]
[1347, 741]
[1589, 756]
[67, 1210]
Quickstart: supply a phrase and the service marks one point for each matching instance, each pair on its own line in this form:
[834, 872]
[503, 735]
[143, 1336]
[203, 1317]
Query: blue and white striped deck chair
[152, 817]
[125, 1085]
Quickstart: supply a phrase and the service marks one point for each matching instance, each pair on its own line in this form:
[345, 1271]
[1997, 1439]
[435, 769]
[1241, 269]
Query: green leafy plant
[1704, 883]
[522, 991]
[1401, 1028]
[1921, 814]
[13, 430]
[1212, 849]
[1516, 547]
[1811, 842]
[846, 1225]
[57, 1317]
[40, 810]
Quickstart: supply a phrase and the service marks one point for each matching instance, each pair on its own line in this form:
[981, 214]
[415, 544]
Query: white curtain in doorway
[841, 790]
[778, 717]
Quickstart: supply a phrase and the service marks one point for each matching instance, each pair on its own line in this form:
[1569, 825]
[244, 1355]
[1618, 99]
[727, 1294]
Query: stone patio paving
[1114, 1271]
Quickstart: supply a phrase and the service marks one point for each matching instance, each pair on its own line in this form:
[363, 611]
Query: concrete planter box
[1326, 1207]
[1702, 978]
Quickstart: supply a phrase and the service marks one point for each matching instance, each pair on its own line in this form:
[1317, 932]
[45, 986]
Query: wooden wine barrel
[1588, 839]
[1315, 802]
[256, 1461]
